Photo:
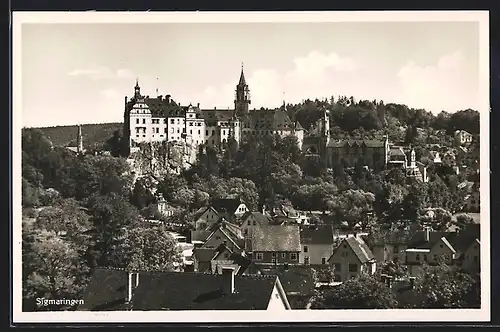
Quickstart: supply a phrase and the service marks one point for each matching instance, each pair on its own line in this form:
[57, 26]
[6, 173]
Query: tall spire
[79, 140]
[137, 89]
[137, 83]
[242, 77]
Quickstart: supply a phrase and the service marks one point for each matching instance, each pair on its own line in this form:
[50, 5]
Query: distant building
[462, 137]
[78, 149]
[317, 244]
[144, 291]
[275, 244]
[351, 258]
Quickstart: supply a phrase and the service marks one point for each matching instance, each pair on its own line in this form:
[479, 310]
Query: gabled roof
[418, 240]
[359, 247]
[213, 116]
[226, 205]
[200, 235]
[177, 291]
[296, 279]
[236, 239]
[257, 216]
[276, 238]
[321, 234]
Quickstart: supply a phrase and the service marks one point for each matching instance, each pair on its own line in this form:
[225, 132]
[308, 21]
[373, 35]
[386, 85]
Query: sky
[81, 73]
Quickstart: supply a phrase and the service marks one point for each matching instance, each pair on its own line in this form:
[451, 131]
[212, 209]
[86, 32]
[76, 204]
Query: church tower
[242, 101]
[79, 141]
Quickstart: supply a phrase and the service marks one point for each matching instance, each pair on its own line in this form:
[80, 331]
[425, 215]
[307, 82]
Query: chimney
[412, 282]
[198, 105]
[427, 234]
[228, 280]
[160, 97]
[167, 98]
[133, 282]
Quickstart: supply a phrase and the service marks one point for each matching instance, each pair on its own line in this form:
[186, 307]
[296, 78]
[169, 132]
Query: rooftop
[176, 291]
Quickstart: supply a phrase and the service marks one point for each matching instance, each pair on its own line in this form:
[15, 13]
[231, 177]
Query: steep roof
[276, 238]
[242, 80]
[213, 116]
[177, 291]
[297, 279]
[321, 234]
[258, 216]
[269, 120]
[164, 107]
[418, 239]
[226, 205]
[359, 248]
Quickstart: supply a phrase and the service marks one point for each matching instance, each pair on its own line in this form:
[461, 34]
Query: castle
[161, 119]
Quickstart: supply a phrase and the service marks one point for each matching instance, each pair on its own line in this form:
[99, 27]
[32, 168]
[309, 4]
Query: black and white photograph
[251, 167]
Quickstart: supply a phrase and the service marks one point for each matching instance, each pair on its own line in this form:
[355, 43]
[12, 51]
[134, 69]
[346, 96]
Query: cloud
[110, 93]
[101, 72]
[315, 75]
[441, 86]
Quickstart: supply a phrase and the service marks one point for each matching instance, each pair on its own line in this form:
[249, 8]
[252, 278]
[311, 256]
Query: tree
[110, 216]
[463, 220]
[52, 269]
[142, 194]
[65, 217]
[438, 219]
[353, 206]
[362, 292]
[444, 286]
[150, 249]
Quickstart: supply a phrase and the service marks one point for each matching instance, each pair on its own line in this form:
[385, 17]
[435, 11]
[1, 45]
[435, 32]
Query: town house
[429, 247]
[252, 220]
[230, 208]
[317, 244]
[351, 258]
[275, 244]
[228, 234]
[462, 137]
[205, 218]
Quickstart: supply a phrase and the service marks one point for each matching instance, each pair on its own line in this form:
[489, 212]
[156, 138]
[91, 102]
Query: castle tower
[242, 100]
[137, 89]
[79, 141]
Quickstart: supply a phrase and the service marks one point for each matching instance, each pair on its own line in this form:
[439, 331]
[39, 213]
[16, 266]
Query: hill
[92, 133]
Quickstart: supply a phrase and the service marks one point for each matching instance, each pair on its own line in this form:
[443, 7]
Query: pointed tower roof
[242, 77]
[136, 83]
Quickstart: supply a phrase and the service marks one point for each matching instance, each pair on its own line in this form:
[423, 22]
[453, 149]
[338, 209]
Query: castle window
[172, 121]
[199, 132]
[178, 131]
[206, 132]
[165, 130]
[143, 121]
[190, 124]
[137, 121]
[164, 120]
[190, 132]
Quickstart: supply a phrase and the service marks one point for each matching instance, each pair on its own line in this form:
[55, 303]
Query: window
[190, 124]
[254, 223]
[273, 254]
[165, 130]
[178, 131]
[213, 131]
[258, 256]
[217, 237]
[344, 254]
[143, 121]
[353, 267]
[273, 260]
[249, 223]
[190, 132]
[425, 257]
[435, 257]
[137, 121]
[172, 121]
[306, 260]
[199, 132]
[417, 257]
[323, 260]
[223, 132]
[293, 256]
[283, 255]
[206, 132]
[305, 248]
[337, 267]
[157, 130]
